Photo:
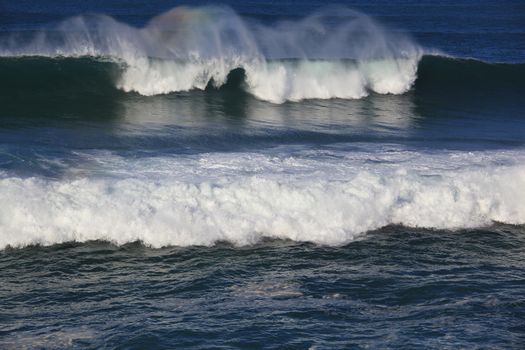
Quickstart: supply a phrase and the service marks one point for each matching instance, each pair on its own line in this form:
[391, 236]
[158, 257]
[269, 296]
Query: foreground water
[397, 288]
[262, 176]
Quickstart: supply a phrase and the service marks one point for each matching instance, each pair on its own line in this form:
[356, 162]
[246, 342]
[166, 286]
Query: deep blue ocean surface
[262, 174]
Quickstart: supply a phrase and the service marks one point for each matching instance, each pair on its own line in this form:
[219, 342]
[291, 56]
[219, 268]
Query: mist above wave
[332, 53]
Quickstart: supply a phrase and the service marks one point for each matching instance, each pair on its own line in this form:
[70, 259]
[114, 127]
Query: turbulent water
[192, 48]
[262, 175]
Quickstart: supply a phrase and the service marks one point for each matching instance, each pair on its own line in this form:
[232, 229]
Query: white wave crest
[331, 54]
[242, 198]
[276, 81]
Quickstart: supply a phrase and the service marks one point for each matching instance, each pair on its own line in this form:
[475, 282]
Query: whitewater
[347, 144]
[326, 197]
[335, 53]
[262, 174]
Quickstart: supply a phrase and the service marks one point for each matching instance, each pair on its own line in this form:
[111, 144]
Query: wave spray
[334, 53]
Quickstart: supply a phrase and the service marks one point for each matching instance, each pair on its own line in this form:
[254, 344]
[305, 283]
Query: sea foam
[326, 198]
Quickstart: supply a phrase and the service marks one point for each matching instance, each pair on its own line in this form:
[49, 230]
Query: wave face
[316, 196]
[336, 53]
[90, 79]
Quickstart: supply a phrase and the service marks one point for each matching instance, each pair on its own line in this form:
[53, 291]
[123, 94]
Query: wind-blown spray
[337, 53]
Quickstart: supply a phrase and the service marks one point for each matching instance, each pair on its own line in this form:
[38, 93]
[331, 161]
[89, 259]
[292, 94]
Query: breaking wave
[241, 198]
[337, 53]
[88, 79]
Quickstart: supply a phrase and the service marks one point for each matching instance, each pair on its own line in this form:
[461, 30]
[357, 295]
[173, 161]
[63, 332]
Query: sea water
[262, 175]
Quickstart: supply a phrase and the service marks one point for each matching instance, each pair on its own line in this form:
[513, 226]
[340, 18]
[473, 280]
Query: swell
[89, 80]
[34, 77]
[470, 82]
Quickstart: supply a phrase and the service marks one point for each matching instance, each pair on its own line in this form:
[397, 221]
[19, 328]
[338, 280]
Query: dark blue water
[397, 288]
[262, 174]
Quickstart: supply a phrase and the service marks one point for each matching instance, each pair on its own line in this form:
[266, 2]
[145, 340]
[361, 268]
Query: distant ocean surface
[262, 174]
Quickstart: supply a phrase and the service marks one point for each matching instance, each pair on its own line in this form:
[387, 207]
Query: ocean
[260, 174]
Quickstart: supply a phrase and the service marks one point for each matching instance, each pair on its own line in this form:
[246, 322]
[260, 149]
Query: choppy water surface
[396, 288]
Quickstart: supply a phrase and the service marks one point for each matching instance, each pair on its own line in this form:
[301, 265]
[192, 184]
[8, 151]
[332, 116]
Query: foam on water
[335, 53]
[325, 197]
